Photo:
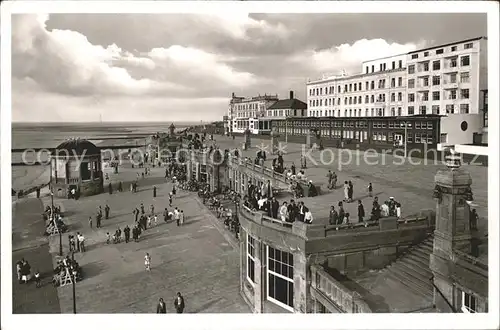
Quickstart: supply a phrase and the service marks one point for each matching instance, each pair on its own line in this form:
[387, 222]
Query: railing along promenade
[247, 164]
[343, 299]
[481, 265]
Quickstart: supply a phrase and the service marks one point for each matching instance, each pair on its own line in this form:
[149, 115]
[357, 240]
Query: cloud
[204, 65]
[165, 66]
[350, 56]
[239, 25]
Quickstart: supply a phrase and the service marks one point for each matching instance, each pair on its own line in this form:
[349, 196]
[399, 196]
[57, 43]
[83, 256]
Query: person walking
[106, 211]
[329, 177]
[126, 231]
[181, 217]
[110, 188]
[346, 191]
[179, 303]
[90, 222]
[38, 283]
[147, 262]
[177, 217]
[170, 199]
[161, 308]
[351, 191]
[361, 212]
[154, 191]
[370, 190]
[81, 239]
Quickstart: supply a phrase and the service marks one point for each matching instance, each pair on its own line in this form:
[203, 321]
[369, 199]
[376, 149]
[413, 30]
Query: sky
[184, 67]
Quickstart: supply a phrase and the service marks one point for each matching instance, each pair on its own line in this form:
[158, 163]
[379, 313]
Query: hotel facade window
[464, 77]
[251, 259]
[468, 303]
[465, 60]
[280, 278]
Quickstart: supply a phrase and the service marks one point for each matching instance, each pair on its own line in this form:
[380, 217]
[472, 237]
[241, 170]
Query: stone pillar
[299, 282]
[274, 142]
[452, 228]
[308, 139]
[247, 139]
[189, 170]
[92, 170]
[259, 288]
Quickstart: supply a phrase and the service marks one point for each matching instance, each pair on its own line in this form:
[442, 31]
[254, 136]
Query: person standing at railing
[292, 211]
[361, 212]
[274, 208]
[332, 220]
[308, 217]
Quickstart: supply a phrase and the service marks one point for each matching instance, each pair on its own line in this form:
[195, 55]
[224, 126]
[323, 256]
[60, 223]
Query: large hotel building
[446, 80]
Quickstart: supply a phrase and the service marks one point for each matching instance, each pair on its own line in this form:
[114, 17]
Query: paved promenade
[194, 259]
[411, 184]
[28, 243]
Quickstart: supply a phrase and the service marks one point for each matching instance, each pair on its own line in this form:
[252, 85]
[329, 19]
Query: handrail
[350, 301]
[266, 218]
[469, 258]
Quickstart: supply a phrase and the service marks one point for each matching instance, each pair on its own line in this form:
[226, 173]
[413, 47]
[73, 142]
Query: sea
[50, 135]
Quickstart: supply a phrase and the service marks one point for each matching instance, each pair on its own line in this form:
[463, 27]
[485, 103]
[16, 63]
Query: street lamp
[74, 290]
[405, 123]
[286, 129]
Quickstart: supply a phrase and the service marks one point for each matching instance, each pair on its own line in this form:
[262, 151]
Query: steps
[412, 269]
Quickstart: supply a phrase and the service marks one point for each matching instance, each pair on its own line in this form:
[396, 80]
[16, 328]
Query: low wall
[430, 151]
[333, 295]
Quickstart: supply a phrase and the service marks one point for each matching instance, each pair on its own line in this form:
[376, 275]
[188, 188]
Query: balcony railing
[267, 171]
[344, 299]
[311, 231]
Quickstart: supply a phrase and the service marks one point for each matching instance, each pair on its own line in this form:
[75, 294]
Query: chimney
[291, 95]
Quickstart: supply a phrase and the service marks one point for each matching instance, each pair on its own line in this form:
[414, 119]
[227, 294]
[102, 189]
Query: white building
[378, 91]
[244, 113]
[447, 80]
[442, 80]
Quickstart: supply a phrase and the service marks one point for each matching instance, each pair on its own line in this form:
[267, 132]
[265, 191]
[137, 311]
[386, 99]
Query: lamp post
[406, 138]
[74, 290]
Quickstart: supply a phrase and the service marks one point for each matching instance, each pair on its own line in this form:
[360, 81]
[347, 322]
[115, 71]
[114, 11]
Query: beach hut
[76, 164]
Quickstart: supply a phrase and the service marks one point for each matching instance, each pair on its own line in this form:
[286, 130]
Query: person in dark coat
[161, 308]
[292, 211]
[341, 214]
[154, 192]
[350, 191]
[120, 186]
[333, 216]
[275, 205]
[142, 209]
[110, 188]
[361, 211]
[134, 234]
[179, 303]
[126, 231]
[106, 211]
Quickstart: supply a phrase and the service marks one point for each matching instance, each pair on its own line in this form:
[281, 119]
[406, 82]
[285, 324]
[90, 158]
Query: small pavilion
[76, 164]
